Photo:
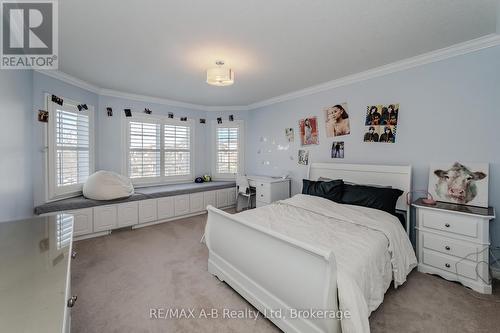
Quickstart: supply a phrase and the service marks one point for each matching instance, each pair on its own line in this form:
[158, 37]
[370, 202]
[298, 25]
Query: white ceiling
[162, 48]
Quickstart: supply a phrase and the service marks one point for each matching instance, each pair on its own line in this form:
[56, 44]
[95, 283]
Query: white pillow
[107, 185]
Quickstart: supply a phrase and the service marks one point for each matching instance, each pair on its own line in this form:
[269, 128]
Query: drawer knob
[262, 195]
[72, 301]
[447, 265]
[447, 225]
[73, 254]
[447, 248]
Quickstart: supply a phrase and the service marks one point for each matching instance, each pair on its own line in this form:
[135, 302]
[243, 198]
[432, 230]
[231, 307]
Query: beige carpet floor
[119, 278]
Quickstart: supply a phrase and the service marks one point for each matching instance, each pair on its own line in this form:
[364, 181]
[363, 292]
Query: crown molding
[59, 75]
[169, 102]
[423, 59]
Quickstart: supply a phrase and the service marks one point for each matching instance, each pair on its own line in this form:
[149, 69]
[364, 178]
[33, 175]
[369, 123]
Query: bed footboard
[278, 275]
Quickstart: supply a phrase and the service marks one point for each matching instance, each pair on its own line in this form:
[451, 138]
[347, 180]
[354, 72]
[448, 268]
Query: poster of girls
[309, 131]
[381, 123]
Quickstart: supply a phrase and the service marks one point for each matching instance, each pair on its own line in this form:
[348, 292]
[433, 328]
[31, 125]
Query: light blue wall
[449, 110]
[17, 116]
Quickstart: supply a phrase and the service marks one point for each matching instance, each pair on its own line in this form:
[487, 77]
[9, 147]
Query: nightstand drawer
[450, 264]
[450, 246]
[458, 224]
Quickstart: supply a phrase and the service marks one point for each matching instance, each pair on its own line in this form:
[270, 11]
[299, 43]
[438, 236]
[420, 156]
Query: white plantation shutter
[227, 144]
[72, 148]
[159, 149]
[144, 150]
[177, 143]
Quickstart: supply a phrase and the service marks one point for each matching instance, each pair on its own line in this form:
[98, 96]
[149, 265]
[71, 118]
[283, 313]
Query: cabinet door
[181, 204]
[196, 202]
[210, 198]
[104, 218]
[128, 214]
[231, 196]
[82, 222]
[165, 208]
[222, 199]
[147, 211]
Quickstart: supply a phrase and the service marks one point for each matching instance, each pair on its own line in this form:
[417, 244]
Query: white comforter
[371, 248]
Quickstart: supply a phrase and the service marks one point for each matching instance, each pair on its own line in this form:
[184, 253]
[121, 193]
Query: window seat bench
[147, 206]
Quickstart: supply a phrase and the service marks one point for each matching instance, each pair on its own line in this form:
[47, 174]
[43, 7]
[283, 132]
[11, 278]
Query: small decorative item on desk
[198, 180]
[207, 178]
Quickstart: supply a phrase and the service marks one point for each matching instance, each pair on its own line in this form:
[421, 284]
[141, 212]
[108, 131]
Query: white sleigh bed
[282, 257]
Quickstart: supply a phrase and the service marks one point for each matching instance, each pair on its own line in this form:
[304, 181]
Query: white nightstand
[453, 242]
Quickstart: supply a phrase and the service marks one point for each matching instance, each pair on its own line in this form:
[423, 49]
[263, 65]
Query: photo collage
[381, 123]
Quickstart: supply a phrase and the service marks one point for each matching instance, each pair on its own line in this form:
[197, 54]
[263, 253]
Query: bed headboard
[396, 176]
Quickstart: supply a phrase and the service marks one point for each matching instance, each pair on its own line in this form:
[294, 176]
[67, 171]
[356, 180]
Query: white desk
[269, 189]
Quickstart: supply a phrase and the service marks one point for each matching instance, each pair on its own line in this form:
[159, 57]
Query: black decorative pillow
[382, 198]
[331, 190]
[401, 219]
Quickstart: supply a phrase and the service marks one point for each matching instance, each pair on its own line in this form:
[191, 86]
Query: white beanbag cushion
[107, 185]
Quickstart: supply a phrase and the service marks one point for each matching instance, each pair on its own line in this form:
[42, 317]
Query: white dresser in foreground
[453, 242]
[269, 189]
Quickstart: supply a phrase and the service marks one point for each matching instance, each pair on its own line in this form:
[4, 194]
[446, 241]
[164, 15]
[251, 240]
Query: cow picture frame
[460, 183]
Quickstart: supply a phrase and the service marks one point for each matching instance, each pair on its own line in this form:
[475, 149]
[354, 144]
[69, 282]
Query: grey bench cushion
[140, 194]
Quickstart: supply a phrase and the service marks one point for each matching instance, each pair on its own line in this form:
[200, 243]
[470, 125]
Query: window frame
[54, 192]
[162, 120]
[241, 151]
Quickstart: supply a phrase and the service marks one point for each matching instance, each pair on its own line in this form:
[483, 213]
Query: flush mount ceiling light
[220, 76]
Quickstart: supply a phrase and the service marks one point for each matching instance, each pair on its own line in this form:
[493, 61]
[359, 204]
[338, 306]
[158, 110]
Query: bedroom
[122, 135]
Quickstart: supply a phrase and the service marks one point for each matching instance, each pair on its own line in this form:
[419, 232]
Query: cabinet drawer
[165, 208]
[104, 218]
[128, 214]
[450, 246]
[454, 223]
[450, 264]
[147, 211]
[82, 223]
[210, 198]
[181, 205]
[196, 202]
[263, 192]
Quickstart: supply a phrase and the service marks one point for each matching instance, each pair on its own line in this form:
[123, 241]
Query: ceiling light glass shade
[220, 76]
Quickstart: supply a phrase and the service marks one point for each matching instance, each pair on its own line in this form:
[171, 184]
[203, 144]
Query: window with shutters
[159, 149]
[228, 143]
[70, 148]
[177, 150]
